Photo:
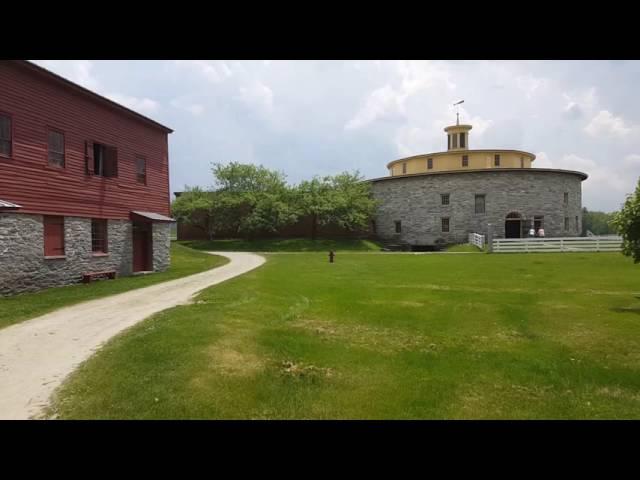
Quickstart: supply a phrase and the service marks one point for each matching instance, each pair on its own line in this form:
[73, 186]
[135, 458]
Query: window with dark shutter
[496, 160]
[429, 163]
[566, 223]
[465, 160]
[53, 236]
[480, 203]
[398, 226]
[141, 170]
[449, 142]
[56, 149]
[404, 168]
[5, 136]
[105, 160]
[445, 224]
[462, 140]
[566, 198]
[99, 236]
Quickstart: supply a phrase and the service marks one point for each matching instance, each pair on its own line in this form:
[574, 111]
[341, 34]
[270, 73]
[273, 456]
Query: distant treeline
[598, 223]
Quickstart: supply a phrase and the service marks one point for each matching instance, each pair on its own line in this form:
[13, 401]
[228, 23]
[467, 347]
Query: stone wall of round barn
[416, 202]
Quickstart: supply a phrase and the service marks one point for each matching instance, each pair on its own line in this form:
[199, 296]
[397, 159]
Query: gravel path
[37, 355]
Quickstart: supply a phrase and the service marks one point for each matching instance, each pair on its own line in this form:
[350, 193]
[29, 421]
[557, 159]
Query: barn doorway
[513, 225]
[142, 248]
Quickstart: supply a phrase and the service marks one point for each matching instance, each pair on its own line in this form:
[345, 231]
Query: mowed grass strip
[284, 245]
[538, 336]
[184, 261]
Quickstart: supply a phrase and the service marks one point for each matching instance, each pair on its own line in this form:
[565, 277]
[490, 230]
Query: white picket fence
[561, 244]
[477, 240]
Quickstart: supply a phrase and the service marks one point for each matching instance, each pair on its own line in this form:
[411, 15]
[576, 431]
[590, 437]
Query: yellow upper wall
[453, 160]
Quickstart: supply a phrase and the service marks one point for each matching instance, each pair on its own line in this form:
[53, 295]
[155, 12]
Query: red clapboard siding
[38, 103]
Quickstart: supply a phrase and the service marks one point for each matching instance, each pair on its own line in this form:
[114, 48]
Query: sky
[309, 118]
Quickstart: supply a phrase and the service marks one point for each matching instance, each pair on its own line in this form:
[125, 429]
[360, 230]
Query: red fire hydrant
[331, 255]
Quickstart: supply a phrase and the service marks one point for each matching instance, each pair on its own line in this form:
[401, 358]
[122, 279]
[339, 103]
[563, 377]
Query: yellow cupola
[458, 137]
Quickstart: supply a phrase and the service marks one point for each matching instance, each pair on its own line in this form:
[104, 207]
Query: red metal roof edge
[96, 96]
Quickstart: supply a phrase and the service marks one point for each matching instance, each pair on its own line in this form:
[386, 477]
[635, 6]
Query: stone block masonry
[23, 267]
[416, 202]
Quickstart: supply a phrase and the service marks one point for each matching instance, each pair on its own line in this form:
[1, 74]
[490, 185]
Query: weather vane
[457, 111]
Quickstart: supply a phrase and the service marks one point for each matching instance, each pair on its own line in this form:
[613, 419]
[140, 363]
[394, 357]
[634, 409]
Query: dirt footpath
[37, 355]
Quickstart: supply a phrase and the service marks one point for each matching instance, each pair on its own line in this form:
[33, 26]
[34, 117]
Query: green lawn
[464, 247]
[284, 245]
[184, 261]
[547, 336]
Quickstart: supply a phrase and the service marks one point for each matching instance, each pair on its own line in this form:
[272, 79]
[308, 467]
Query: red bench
[87, 277]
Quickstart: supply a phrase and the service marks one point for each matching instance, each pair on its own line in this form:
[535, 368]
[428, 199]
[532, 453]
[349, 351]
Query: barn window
[5, 135]
[480, 203]
[566, 223]
[496, 160]
[449, 142]
[465, 160]
[566, 198]
[462, 140]
[98, 236]
[105, 160]
[444, 198]
[454, 141]
[404, 168]
[56, 149]
[141, 170]
[398, 226]
[429, 163]
[445, 224]
[577, 224]
[53, 236]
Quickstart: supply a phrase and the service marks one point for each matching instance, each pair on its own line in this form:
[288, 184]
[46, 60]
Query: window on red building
[105, 160]
[141, 170]
[53, 236]
[56, 149]
[99, 236]
[5, 135]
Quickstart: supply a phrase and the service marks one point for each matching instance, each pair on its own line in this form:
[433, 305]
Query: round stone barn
[439, 198]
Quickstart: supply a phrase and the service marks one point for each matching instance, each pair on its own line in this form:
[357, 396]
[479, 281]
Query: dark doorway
[141, 246]
[513, 226]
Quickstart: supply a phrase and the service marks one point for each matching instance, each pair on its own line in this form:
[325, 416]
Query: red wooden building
[84, 183]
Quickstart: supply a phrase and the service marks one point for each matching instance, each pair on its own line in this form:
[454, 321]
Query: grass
[383, 336]
[463, 247]
[284, 245]
[184, 261]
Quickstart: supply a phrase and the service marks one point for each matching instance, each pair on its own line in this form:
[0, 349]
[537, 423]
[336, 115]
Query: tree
[598, 223]
[343, 200]
[627, 223]
[194, 207]
[252, 199]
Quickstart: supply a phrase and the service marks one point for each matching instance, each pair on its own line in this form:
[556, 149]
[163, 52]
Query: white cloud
[182, 104]
[605, 123]
[389, 102]
[257, 95]
[530, 85]
[384, 102]
[214, 71]
[141, 105]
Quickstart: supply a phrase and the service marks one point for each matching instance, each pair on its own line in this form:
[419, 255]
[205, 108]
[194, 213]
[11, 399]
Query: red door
[141, 247]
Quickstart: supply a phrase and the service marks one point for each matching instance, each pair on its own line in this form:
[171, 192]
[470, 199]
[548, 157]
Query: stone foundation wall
[161, 246]
[416, 203]
[23, 267]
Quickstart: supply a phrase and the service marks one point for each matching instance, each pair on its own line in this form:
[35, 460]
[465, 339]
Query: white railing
[562, 244]
[477, 240]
